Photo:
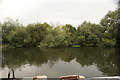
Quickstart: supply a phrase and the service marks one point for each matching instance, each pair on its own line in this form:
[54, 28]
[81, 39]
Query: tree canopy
[104, 34]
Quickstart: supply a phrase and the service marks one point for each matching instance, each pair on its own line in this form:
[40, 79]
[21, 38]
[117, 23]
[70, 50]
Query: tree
[79, 40]
[108, 42]
[19, 38]
[38, 32]
[69, 31]
[112, 22]
[90, 32]
[54, 39]
[8, 26]
[92, 40]
[106, 33]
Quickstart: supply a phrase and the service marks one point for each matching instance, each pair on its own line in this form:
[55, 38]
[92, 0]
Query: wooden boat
[78, 77]
[104, 78]
[72, 77]
[43, 77]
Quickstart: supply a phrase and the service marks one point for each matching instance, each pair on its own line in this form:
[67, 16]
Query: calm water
[56, 62]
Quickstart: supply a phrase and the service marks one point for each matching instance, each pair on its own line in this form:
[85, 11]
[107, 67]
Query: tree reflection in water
[106, 59]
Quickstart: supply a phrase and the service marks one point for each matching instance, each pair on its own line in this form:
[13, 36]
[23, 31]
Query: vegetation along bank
[104, 34]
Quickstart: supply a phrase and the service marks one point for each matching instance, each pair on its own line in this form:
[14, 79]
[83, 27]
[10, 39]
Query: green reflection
[106, 59]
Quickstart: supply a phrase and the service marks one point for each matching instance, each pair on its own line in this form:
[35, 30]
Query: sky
[56, 12]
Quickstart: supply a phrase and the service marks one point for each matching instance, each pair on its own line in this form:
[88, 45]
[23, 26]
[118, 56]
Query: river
[57, 62]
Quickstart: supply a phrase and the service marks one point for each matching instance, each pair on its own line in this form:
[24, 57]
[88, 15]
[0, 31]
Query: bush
[108, 42]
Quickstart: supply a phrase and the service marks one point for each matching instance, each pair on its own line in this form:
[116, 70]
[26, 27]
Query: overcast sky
[56, 11]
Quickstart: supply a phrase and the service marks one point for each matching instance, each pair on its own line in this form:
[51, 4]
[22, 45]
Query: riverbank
[73, 46]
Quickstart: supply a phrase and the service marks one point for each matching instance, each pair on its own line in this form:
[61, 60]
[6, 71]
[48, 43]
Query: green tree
[8, 26]
[38, 32]
[108, 42]
[92, 40]
[19, 38]
[69, 31]
[54, 39]
[106, 33]
[90, 32]
[111, 22]
[79, 40]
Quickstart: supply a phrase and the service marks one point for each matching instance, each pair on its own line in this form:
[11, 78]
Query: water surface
[56, 62]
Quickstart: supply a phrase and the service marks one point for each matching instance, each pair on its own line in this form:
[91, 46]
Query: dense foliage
[43, 35]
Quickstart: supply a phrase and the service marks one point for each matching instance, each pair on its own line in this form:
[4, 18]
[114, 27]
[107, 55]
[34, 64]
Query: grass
[76, 46]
